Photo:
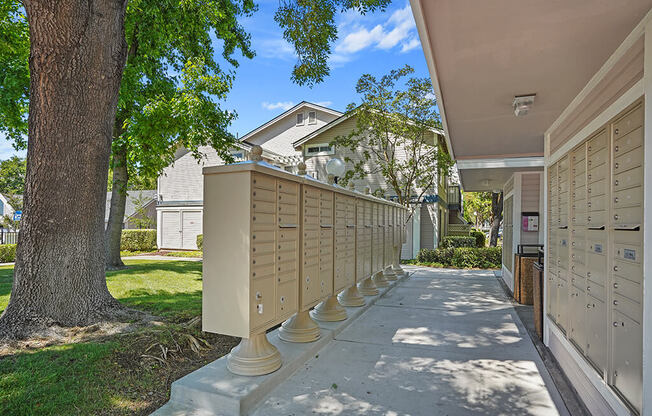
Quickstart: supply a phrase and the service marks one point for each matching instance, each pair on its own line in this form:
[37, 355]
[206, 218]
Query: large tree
[477, 207]
[394, 135]
[170, 92]
[496, 217]
[77, 55]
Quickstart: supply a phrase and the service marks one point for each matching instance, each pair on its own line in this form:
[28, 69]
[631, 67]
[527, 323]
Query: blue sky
[375, 43]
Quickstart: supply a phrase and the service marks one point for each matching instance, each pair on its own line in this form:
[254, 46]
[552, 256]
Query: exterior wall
[150, 212]
[531, 196]
[183, 180]
[428, 227]
[625, 73]
[279, 136]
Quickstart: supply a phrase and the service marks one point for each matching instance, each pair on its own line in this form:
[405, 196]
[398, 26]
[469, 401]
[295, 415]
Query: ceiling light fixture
[522, 104]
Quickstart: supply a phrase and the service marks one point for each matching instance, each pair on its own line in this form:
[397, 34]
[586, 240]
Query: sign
[530, 221]
[18, 215]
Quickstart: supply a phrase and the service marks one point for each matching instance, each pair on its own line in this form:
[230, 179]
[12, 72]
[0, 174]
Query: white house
[300, 133]
[180, 187]
[5, 207]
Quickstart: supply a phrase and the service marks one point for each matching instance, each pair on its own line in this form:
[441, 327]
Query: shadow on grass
[174, 306]
[140, 266]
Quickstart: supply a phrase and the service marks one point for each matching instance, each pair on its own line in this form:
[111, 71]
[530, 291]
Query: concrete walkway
[442, 342]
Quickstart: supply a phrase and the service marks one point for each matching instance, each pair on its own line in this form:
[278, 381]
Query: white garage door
[170, 230]
[191, 227]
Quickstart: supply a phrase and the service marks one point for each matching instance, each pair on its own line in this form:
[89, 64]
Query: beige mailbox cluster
[277, 245]
[595, 251]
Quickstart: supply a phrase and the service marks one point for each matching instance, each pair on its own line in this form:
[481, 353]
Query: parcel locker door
[562, 301]
[627, 353]
[577, 317]
[596, 337]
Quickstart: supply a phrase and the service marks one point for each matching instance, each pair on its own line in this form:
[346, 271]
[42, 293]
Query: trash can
[537, 279]
[524, 258]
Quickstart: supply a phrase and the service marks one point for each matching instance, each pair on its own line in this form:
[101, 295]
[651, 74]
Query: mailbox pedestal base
[351, 297]
[254, 356]
[329, 310]
[389, 274]
[380, 280]
[367, 287]
[398, 270]
[299, 328]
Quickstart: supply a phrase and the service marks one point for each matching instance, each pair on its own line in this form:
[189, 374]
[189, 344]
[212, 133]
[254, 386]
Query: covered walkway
[441, 342]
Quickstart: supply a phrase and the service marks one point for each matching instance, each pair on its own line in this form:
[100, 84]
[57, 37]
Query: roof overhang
[482, 175]
[482, 54]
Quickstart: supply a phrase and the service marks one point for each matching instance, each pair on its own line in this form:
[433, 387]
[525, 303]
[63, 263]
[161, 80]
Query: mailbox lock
[615, 286]
[588, 288]
[616, 132]
[282, 299]
[616, 182]
[615, 268]
[616, 302]
[259, 296]
[616, 200]
[616, 148]
[615, 324]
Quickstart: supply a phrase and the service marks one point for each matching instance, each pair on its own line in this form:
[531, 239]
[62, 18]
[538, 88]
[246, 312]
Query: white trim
[544, 224]
[417, 12]
[287, 113]
[303, 118]
[591, 375]
[512, 162]
[315, 120]
[603, 71]
[624, 101]
[647, 221]
[320, 153]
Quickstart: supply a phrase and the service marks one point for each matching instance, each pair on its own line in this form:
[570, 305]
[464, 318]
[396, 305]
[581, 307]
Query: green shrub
[457, 241]
[7, 253]
[200, 241]
[480, 238]
[462, 257]
[138, 240]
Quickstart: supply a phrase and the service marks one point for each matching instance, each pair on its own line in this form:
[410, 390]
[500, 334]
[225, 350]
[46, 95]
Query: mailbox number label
[629, 254]
[597, 248]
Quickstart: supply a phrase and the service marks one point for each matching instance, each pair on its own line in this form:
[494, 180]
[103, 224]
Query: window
[312, 117]
[319, 149]
[299, 119]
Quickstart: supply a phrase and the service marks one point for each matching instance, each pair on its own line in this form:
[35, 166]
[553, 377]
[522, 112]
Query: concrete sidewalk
[442, 342]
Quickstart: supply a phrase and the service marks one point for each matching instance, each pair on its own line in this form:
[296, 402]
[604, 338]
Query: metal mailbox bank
[278, 244]
[595, 234]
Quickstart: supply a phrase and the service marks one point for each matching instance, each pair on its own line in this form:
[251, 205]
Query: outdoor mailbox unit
[276, 245]
[595, 229]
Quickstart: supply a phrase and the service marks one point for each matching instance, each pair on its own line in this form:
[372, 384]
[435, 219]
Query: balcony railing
[459, 230]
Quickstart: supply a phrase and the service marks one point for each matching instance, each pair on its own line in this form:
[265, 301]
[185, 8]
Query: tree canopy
[12, 176]
[396, 125]
[477, 207]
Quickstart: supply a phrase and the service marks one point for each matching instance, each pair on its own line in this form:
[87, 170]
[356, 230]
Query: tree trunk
[496, 217]
[76, 60]
[117, 211]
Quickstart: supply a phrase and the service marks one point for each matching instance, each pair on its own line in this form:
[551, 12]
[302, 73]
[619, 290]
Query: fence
[8, 237]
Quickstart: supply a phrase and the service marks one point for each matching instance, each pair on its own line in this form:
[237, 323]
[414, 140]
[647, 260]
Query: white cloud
[324, 103]
[399, 30]
[284, 105]
[412, 44]
[277, 48]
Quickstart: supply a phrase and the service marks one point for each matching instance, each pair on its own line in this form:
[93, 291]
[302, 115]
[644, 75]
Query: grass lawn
[196, 253]
[117, 374]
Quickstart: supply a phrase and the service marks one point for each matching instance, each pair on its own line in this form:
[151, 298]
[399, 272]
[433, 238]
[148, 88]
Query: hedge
[457, 241]
[480, 238]
[462, 257]
[200, 241]
[138, 240]
[7, 253]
